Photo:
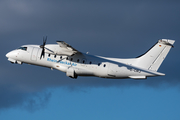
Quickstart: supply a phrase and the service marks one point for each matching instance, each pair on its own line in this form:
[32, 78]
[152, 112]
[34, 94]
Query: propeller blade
[42, 54]
[49, 49]
[43, 47]
[44, 40]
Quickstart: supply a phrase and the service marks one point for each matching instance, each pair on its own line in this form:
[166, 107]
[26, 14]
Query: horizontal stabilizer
[167, 42]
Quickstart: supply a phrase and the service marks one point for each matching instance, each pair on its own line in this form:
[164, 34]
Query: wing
[66, 49]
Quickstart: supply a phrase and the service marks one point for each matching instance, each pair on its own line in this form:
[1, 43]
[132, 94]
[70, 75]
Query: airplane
[65, 58]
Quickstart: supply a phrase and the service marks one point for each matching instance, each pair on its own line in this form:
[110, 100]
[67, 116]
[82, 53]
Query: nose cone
[11, 54]
[8, 55]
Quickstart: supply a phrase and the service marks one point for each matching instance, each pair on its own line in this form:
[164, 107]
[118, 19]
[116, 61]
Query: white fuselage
[79, 64]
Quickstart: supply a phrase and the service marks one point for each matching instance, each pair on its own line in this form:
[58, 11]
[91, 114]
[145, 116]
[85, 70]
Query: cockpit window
[23, 48]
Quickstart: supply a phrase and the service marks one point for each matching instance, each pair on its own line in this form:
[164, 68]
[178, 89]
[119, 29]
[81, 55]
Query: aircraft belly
[116, 71]
[83, 71]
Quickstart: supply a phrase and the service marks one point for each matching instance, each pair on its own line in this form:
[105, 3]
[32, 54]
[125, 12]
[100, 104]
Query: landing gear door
[34, 54]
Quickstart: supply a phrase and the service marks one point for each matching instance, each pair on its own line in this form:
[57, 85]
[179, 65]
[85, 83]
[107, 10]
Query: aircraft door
[34, 54]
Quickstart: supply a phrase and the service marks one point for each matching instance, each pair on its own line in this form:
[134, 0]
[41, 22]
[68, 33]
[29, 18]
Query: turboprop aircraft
[63, 57]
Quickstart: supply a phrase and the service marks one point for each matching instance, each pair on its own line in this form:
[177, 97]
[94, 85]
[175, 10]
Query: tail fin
[154, 57]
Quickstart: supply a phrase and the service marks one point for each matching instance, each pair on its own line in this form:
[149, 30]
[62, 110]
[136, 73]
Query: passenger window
[84, 61]
[54, 56]
[67, 58]
[104, 65]
[77, 60]
[99, 64]
[49, 55]
[90, 62]
[60, 57]
[71, 59]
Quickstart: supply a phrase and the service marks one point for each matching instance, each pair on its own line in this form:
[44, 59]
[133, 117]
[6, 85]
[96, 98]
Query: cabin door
[34, 54]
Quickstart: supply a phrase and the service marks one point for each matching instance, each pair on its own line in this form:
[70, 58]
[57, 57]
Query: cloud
[19, 98]
[38, 101]
[108, 28]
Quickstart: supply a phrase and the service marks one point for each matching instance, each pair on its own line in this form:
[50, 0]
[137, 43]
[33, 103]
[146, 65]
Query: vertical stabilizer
[153, 58]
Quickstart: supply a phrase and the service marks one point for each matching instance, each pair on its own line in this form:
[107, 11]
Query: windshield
[23, 48]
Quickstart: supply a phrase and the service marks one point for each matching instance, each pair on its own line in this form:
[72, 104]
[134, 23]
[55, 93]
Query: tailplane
[154, 57]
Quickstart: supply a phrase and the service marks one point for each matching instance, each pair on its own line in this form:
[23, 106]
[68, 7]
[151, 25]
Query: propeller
[43, 47]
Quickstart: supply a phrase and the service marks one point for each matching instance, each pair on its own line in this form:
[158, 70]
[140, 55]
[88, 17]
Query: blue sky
[121, 29]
